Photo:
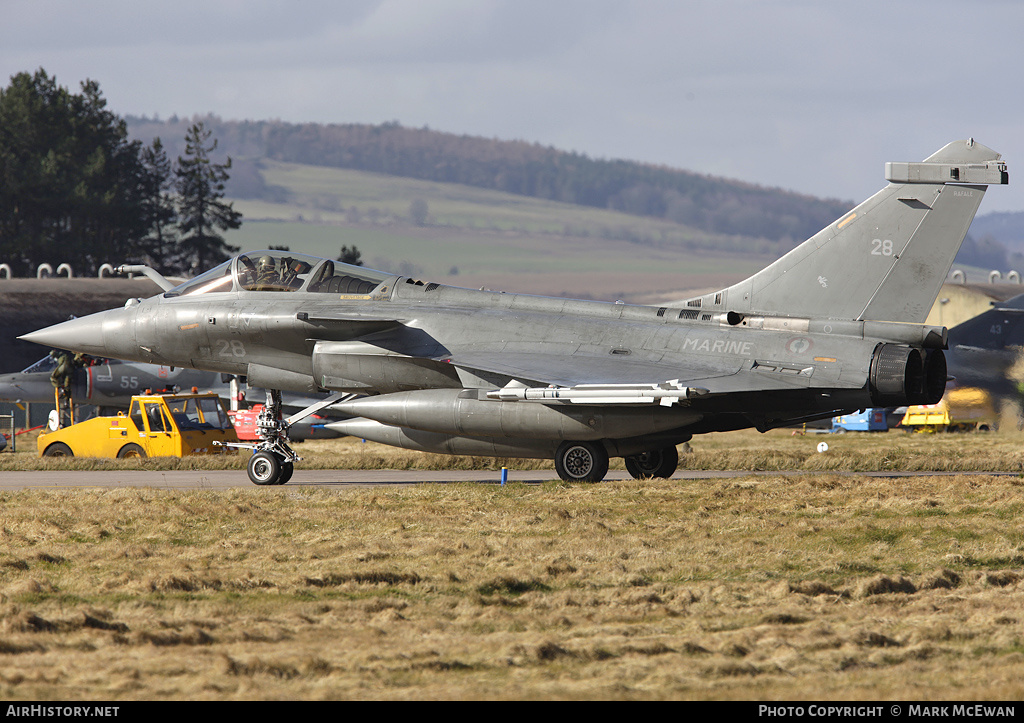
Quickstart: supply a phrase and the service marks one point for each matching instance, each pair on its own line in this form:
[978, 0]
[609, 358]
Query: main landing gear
[581, 461]
[588, 462]
[273, 460]
[656, 463]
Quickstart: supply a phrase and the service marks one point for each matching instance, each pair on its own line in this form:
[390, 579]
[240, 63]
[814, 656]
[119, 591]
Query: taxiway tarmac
[340, 478]
[227, 479]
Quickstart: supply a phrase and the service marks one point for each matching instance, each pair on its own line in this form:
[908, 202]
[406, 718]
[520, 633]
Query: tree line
[74, 188]
[708, 203]
[716, 205]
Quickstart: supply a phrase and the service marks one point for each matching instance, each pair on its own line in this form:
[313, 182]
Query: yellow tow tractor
[960, 409]
[157, 425]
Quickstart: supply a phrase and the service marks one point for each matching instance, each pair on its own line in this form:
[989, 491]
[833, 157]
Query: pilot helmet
[266, 263]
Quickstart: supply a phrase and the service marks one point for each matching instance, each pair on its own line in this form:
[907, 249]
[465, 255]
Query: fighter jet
[106, 382]
[983, 348]
[835, 325]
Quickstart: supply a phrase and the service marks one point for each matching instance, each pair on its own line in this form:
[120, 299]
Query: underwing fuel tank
[437, 443]
[460, 412]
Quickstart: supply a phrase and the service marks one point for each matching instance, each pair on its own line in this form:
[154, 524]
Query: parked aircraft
[110, 384]
[833, 326]
[983, 348]
[106, 382]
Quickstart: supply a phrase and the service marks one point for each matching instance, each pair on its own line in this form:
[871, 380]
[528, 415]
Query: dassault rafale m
[835, 325]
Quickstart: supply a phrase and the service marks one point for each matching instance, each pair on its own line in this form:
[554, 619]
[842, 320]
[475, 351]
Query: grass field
[814, 585]
[477, 238]
[474, 237]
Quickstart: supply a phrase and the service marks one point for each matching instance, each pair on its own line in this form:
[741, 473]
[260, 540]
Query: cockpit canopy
[284, 271]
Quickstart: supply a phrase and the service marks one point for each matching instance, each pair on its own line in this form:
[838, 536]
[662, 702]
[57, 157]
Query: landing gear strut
[273, 460]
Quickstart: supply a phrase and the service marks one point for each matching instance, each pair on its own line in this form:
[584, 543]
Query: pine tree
[156, 181]
[351, 256]
[69, 177]
[202, 212]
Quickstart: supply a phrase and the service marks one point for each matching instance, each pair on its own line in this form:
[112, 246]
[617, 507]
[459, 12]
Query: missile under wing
[833, 326]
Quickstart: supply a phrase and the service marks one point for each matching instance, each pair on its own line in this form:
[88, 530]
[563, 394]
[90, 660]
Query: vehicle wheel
[656, 463]
[286, 472]
[264, 468]
[58, 449]
[131, 451]
[581, 461]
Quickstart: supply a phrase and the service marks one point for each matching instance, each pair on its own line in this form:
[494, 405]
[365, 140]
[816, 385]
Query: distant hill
[477, 237]
[711, 204]
[694, 212]
[1005, 227]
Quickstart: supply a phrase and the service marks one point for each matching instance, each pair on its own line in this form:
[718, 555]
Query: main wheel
[130, 450]
[58, 449]
[264, 468]
[286, 472]
[581, 461]
[656, 463]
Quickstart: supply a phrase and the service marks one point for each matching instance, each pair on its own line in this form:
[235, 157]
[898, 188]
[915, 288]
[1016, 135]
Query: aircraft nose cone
[102, 334]
[85, 334]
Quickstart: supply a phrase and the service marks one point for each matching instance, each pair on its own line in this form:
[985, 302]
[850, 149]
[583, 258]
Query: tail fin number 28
[881, 247]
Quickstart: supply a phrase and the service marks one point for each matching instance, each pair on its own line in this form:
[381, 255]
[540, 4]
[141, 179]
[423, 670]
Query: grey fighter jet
[111, 383]
[835, 325]
[106, 382]
[983, 348]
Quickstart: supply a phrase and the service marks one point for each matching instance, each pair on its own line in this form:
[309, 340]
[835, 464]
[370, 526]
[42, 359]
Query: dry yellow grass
[780, 449]
[815, 586]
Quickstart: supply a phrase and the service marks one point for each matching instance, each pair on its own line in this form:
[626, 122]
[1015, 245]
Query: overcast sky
[808, 95]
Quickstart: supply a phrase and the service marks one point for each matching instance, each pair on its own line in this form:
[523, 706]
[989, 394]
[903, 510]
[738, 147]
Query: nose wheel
[273, 461]
[268, 468]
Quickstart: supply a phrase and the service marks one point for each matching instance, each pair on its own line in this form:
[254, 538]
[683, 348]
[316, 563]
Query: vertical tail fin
[885, 260]
[983, 349]
[1000, 327]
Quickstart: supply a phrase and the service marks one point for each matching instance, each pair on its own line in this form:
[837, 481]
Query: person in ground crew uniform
[62, 374]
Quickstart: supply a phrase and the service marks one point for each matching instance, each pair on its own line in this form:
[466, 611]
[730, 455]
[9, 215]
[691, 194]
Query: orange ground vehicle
[156, 425]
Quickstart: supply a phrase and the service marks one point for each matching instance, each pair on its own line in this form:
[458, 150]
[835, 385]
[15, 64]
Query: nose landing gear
[273, 460]
[268, 468]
